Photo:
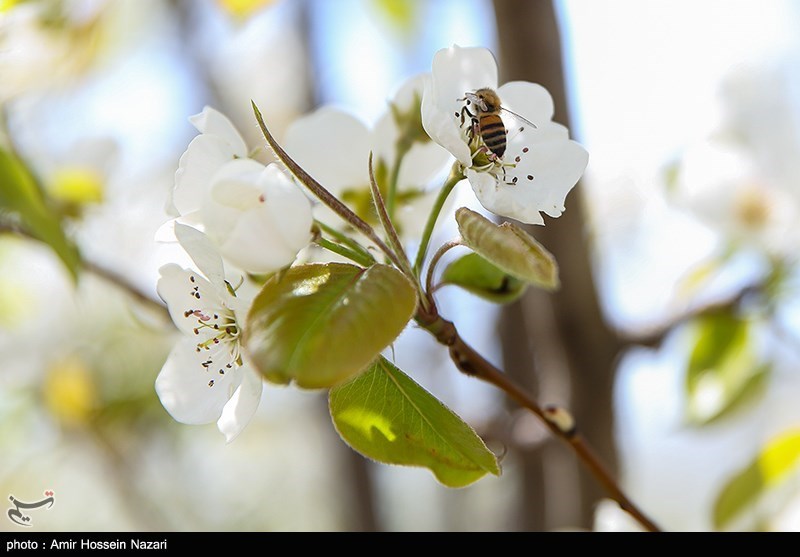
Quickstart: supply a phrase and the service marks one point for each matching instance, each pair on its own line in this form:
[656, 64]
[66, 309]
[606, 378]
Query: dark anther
[524, 149]
[530, 177]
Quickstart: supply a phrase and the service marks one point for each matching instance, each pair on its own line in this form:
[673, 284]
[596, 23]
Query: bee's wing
[517, 116]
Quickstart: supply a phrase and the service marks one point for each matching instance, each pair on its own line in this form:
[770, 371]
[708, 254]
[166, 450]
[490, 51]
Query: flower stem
[557, 420]
[435, 259]
[456, 175]
[344, 251]
[321, 192]
[403, 147]
[342, 238]
[388, 226]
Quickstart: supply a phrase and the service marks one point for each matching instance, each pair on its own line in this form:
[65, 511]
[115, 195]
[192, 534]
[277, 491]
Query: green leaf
[510, 248]
[320, 324]
[21, 198]
[474, 274]
[384, 415]
[779, 457]
[723, 372]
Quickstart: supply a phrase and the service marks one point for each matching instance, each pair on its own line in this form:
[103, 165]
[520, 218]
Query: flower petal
[529, 100]
[545, 175]
[201, 160]
[203, 253]
[259, 220]
[185, 291]
[191, 392]
[455, 71]
[242, 406]
[235, 184]
[212, 122]
[333, 147]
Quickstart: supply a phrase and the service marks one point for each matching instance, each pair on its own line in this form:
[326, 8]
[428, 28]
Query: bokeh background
[675, 338]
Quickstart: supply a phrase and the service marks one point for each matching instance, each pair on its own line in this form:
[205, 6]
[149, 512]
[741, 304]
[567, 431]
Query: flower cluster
[235, 213]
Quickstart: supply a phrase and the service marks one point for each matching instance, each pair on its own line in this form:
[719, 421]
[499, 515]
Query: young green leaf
[21, 198]
[320, 324]
[510, 248]
[384, 415]
[723, 372]
[779, 457]
[475, 274]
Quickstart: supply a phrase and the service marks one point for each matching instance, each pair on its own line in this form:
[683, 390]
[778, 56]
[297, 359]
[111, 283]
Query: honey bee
[486, 121]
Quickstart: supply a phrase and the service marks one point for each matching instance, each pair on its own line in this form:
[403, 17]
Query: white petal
[410, 91]
[458, 70]
[201, 160]
[442, 125]
[213, 122]
[203, 253]
[529, 100]
[266, 223]
[455, 71]
[256, 245]
[185, 291]
[235, 184]
[184, 383]
[545, 175]
[289, 206]
[332, 146]
[242, 405]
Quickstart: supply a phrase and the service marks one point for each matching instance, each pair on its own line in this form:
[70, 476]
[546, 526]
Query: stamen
[530, 177]
[211, 383]
[525, 149]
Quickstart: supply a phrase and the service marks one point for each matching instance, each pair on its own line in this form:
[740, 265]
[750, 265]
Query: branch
[96, 269]
[557, 419]
[654, 337]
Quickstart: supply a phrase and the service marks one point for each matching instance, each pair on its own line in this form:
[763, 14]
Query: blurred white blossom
[333, 146]
[743, 177]
[44, 43]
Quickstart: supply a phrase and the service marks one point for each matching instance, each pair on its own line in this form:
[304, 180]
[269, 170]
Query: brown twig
[557, 419]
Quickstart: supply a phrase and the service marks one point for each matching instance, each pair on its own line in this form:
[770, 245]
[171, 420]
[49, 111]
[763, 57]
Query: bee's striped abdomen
[493, 133]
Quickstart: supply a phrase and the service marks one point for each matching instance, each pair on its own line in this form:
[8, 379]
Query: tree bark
[530, 49]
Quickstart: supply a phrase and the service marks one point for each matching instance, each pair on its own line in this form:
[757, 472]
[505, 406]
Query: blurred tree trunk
[562, 333]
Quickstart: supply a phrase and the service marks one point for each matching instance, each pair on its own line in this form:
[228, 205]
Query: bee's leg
[464, 114]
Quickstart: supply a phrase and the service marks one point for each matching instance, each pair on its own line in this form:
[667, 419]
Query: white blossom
[255, 215]
[333, 146]
[540, 164]
[206, 377]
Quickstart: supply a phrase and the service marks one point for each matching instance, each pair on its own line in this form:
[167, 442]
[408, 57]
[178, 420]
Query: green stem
[403, 147]
[346, 240]
[456, 175]
[344, 251]
[435, 260]
[388, 226]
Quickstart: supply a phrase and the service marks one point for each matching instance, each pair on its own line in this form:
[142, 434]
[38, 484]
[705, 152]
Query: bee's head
[485, 99]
